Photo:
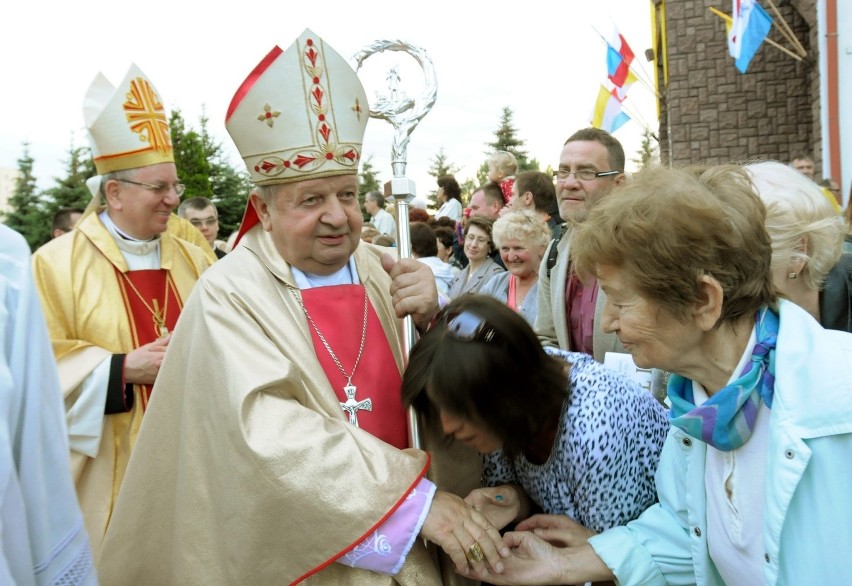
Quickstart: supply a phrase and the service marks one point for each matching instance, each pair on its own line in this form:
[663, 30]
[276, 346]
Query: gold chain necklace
[158, 316]
[352, 405]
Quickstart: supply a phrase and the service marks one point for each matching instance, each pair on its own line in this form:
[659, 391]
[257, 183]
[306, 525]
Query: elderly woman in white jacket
[754, 476]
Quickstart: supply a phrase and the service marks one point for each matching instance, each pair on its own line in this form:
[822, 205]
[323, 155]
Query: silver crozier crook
[403, 113]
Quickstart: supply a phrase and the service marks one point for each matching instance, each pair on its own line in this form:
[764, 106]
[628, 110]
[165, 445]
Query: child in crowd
[502, 167]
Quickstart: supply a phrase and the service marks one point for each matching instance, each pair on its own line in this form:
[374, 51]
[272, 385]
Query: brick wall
[715, 113]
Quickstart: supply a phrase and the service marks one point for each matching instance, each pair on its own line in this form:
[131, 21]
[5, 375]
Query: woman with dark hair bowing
[754, 478]
[562, 433]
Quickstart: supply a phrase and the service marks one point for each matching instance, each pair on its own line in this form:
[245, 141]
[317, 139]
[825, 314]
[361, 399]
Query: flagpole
[403, 113]
[639, 71]
[787, 31]
[635, 114]
[640, 75]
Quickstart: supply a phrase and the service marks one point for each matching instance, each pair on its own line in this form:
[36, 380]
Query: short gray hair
[523, 225]
[267, 192]
[199, 202]
[377, 197]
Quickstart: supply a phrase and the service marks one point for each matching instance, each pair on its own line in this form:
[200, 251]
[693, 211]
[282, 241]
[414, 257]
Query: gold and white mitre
[128, 126]
[301, 114]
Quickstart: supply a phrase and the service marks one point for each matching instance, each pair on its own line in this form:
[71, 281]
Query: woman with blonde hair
[808, 264]
[521, 237]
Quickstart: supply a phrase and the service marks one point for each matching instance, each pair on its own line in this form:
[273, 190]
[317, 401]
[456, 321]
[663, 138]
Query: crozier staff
[291, 344]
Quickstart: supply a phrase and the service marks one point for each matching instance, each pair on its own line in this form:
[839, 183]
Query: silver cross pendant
[353, 405]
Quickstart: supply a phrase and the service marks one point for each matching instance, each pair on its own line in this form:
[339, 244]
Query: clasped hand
[500, 505]
[541, 549]
[142, 365]
[456, 527]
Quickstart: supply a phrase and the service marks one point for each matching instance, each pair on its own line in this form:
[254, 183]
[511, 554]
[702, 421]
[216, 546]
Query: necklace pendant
[353, 405]
[160, 326]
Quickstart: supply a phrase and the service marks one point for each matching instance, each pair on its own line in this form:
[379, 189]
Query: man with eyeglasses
[112, 289]
[201, 213]
[591, 165]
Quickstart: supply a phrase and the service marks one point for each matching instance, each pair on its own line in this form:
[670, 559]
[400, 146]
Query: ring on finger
[475, 554]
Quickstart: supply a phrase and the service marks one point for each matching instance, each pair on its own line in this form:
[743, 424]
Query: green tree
[648, 154]
[27, 214]
[441, 166]
[231, 187]
[438, 167]
[506, 139]
[481, 175]
[468, 186]
[368, 180]
[191, 158]
[70, 191]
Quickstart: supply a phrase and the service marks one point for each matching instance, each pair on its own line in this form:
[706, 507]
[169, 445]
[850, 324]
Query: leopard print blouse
[601, 468]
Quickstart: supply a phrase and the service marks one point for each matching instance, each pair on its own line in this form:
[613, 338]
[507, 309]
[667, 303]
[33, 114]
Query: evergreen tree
[647, 155]
[71, 191]
[231, 187]
[440, 166]
[27, 214]
[481, 174]
[468, 186]
[193, 165]
[368, 180]
[506, 139]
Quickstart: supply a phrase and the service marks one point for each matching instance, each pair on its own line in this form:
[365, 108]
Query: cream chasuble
[233, 479]
[85, 301]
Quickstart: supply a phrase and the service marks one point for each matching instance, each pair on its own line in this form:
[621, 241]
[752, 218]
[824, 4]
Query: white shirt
[384, 222]
[734, 482]
[452, 209]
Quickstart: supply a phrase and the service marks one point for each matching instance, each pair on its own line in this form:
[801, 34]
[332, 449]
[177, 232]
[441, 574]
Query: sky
[542, 59]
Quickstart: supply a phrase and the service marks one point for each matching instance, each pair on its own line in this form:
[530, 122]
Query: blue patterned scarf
[727, 419]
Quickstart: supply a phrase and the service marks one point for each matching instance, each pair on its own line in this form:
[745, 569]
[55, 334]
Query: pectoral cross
[353, 405]
[159, 320]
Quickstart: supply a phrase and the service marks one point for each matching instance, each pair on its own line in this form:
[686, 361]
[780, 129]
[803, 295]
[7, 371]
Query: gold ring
[474, 553]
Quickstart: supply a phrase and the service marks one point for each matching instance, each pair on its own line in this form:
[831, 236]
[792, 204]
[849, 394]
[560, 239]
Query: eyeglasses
[584, 174]
[477, 239]
[468, 327]
[206, 222]
[161, 189]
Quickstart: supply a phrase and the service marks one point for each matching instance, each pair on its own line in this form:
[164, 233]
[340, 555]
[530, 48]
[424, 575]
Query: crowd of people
[244, 411]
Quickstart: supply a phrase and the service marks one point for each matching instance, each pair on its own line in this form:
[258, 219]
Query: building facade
[783, 106]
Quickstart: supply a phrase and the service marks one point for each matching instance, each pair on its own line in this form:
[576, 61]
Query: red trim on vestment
[371, 529]
[250, 218]
[252, 79]
[151, 284]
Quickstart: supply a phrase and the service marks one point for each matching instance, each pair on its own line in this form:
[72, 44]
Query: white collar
[347, 275]
[127, 243]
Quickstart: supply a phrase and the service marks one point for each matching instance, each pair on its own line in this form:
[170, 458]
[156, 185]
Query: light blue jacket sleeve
[667, 543]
